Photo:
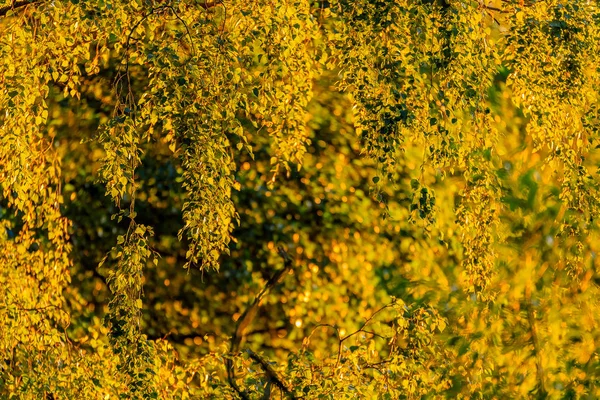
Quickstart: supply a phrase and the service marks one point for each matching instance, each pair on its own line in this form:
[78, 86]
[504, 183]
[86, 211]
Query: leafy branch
[361, 329]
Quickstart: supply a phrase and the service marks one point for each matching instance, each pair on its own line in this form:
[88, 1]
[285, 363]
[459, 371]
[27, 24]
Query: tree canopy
[300, 199]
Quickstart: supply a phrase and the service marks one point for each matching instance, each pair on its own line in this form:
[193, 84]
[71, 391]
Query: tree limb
[246, 319]
[250, 313]
[271, 374]
[15, 4]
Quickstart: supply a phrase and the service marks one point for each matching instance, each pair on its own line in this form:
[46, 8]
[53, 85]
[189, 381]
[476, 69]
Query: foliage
[400, 198]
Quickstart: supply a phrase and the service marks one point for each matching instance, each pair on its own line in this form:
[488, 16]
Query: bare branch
[248, 316]
[271, 374]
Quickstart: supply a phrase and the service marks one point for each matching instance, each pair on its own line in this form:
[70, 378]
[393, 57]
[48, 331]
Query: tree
[344, 199]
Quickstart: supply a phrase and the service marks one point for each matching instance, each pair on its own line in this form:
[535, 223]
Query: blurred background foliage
[433, 254]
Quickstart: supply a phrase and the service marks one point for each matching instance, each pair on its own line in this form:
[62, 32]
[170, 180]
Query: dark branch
[271, 374]
[246, 319]
[250, 313]
[367, 321]
[15, 4]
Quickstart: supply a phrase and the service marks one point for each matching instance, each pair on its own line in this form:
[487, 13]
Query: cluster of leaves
[431, 168]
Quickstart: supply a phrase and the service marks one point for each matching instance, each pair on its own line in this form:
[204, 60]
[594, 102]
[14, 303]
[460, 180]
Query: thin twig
[187, 29]
[361, 329]
[367, 321]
